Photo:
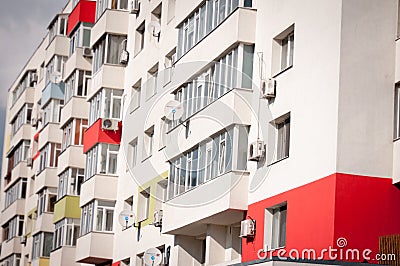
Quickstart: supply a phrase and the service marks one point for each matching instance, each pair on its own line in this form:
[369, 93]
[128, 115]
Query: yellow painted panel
[44, 261]
[152, 184]
[67, 207]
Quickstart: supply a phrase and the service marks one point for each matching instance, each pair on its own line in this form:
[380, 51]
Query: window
[52, 112]
[73, 133]
[216, 81]
[275, 227]
[21, 153]
[133, 152]
[143, 205]
[108, 50]
[152, 82]
[208, 160]
[49, 156]
[25, 82]
[156, 17]
[41, 245]
[47, 197]
[66, 232]
[77, 84]
[139, 39]
[70, 182]
[103, 5]
[283, 137]
[136, 94]
[128, 203]
[169, 63]
[107, 103]
[207, 17]
[15, 192]
[56, 64]
[58, 26]
[396, 133]
[283, 50]
[101, 159]
[24, 116]
[165, 126]
[12, 260]
[13, 228]
[97, 216]
[148, 142]
[80, 38]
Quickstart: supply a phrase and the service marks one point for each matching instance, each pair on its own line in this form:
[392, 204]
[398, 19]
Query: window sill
[277, 161]
[273, 249]
[282, 71]
[396, 139]
[134, 109]
[146, 158]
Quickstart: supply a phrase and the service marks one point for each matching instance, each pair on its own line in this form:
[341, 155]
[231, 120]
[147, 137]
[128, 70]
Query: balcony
[24, 132]
[44, 223]
[67, 207]
[40, 262]
[84, 11]
[95, 134]
[64, 256]
[95, 248]
[76, 107]
[52, 91]
[220, 201]
[46, 178]
[112, 21]
[28, 96]
[103, 187]
[16, 208]
[109, 76]
[73, 156]
[8, 247]
[58, 46]
[77, 61]
[238, 27]
[232, 108]
[50, 133]
[20, 170]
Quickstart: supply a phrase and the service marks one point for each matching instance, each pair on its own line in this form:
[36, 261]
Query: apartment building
[283, 136]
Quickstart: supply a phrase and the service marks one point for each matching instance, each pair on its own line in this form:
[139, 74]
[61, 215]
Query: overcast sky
[23, 24]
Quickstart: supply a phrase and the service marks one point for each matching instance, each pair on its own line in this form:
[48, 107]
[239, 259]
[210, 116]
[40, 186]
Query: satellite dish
[155, 28]
[152, 256]
[126, 218]
[173, 110]
[55, 77]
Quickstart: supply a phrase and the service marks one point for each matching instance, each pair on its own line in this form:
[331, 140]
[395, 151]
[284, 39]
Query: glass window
[73, 133]
[102, 159]
[77, 84]
[277, 217]
[24, 116]
[49, 156]
[97, 216]
[287, 49]
[66, 232]
[42, 245]
[133, 152]
[283, 138]
[107, 103]
[208, 160]
[70, 182]
[396, 133]
[139, 39]
[46, 200]
[103, 5]
[13, 228]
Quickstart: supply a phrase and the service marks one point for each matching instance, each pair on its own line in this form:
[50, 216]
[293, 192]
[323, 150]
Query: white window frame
[273, 219]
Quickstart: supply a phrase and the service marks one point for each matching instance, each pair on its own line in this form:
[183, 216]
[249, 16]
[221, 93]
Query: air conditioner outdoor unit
[135, 7]
[23, 240]
[158, 218]
[247, 228]
[256, 150]
[124, 57]
[29, 161]
[87, 52]
[109, 124]
[268, 88]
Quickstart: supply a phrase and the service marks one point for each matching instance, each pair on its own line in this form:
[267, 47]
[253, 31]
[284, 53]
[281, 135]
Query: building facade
[221, 132]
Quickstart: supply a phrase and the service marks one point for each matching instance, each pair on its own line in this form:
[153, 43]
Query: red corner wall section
[95, 134]
[357, 208]
[84, 11]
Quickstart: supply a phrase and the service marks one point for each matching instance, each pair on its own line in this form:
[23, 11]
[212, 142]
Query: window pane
[109, 220]
[99, 217]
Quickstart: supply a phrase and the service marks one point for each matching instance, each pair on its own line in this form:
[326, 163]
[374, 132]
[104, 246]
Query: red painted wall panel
[310, 211]
[95, 134]
[357, 208]
[84, 11]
